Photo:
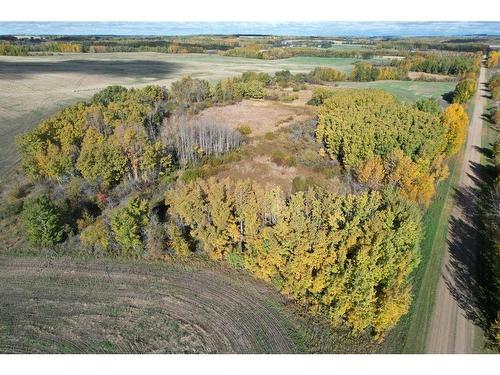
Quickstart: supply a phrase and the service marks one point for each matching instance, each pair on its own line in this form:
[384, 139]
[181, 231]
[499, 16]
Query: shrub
[270, 136]
[245, 130]
[362, 72]
[495, 116]
[464, 91]
[251, 89]
[156, 237]
[429, 105]
[302, 184]
[96, 237]
[191, 174]
[188, 90]
[320, 95]
[41, 221]
[109, 94]
[282, 159]
[9, 209]
[327, 74]
[287, 98]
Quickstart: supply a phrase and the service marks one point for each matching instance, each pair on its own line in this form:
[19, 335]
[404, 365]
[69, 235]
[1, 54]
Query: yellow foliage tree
[371, 172]
[455, 121]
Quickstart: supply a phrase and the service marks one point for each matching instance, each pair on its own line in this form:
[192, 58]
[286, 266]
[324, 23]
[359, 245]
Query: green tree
[41, 221]
[127, 224]
[429, 105]
[357, 124]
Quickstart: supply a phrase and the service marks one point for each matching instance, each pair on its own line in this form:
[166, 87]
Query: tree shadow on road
[470, 269]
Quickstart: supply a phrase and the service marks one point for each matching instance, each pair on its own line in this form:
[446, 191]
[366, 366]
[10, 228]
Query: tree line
[454, 64]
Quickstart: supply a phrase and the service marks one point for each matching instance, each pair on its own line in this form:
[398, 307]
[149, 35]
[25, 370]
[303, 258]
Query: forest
[115, 176]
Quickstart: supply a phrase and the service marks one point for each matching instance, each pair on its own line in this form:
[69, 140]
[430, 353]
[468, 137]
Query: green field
[407, 90]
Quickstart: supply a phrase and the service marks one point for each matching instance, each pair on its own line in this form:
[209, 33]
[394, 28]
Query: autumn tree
[493, 59]
[455, 121]
[51, 149]
[101, 159]
[349, 257]
[371, 172]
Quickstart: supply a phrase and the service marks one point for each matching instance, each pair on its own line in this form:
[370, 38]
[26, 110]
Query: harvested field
[67, 306]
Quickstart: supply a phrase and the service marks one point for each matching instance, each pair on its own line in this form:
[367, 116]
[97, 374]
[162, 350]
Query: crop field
[108, 306]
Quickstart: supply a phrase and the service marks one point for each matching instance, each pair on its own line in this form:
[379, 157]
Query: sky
[251, 10]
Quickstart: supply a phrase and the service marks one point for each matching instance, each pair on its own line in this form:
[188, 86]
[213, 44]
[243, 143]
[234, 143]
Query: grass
[407, 90]
[435, 242]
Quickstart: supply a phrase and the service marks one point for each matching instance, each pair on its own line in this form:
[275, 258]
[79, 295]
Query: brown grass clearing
[430, 76]
[261, 116]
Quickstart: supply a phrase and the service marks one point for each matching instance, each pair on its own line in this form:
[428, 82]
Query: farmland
[31, 88]
[62, 305]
